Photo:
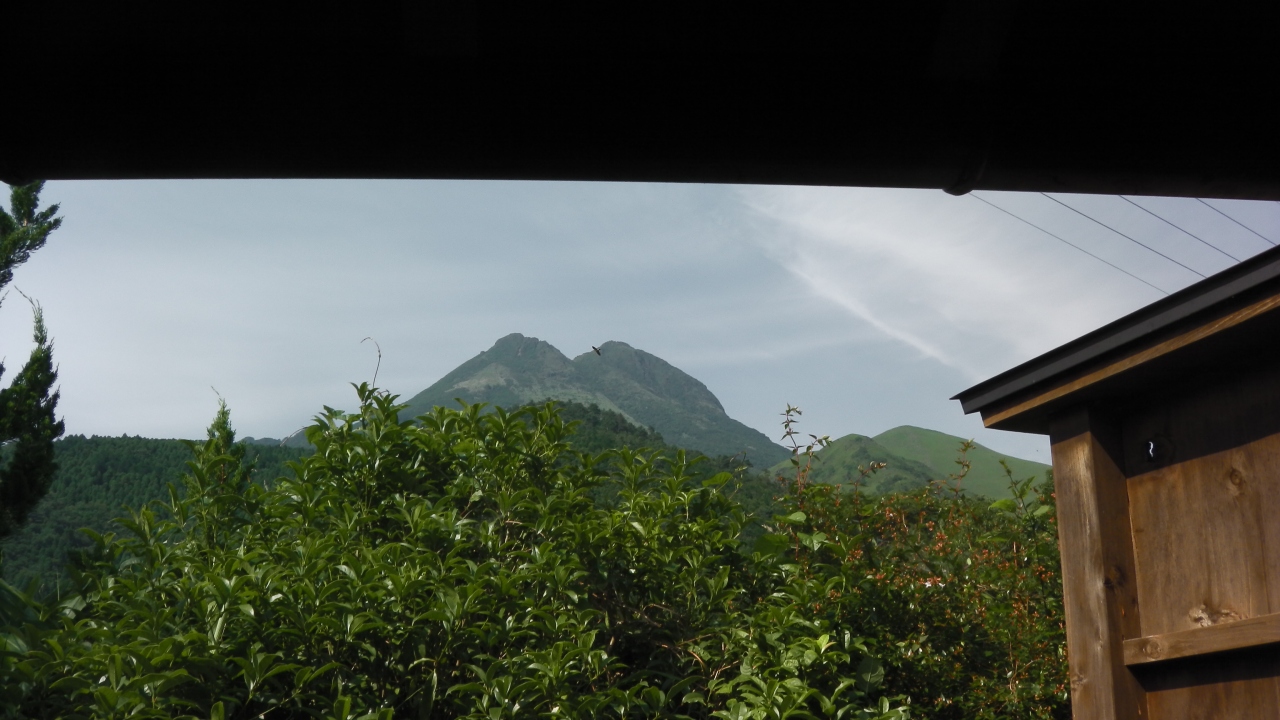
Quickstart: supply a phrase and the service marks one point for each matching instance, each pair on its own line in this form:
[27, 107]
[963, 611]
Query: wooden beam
[1098, 582]
[1252, 632]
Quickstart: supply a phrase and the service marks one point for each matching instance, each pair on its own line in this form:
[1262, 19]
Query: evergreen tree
[27, 406]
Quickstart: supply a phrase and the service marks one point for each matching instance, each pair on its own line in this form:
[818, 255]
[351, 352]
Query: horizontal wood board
[1254, 632]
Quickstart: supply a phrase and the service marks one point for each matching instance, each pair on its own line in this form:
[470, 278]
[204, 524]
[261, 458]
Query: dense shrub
[961, 598]
[456, 568]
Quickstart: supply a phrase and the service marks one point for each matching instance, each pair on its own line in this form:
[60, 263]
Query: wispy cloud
[827, 289]
[949, 277]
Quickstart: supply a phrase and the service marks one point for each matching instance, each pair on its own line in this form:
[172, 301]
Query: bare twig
[379, 365]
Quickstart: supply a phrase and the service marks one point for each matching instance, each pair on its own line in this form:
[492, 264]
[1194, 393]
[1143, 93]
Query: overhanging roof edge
[1130, 329]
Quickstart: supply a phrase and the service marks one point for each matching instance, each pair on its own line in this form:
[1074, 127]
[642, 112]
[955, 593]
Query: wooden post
[1098, 588]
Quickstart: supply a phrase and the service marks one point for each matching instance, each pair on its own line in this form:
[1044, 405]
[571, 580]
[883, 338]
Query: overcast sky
[867, 308]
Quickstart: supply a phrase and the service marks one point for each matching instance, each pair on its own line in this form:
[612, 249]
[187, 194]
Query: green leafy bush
[961, 598]
[456, 568]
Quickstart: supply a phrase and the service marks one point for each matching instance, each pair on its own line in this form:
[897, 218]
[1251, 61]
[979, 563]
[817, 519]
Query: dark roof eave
[1131, 329]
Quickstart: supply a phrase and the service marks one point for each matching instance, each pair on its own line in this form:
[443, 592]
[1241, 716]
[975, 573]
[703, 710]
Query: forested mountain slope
[97, 478]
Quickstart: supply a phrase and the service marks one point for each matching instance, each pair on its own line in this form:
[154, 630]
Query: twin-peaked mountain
[644, 388]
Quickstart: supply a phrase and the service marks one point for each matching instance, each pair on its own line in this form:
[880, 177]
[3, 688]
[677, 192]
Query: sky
[866, 308]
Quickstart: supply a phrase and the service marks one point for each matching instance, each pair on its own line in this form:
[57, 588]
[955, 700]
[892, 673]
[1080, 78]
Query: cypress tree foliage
[27, 406]
[230, 472]
[24, 229]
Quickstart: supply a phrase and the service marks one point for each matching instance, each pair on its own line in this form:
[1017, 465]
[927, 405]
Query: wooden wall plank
[1099, 595]
[1204, 537]
[1263, 630]
[1266, 464]
[1240, 685]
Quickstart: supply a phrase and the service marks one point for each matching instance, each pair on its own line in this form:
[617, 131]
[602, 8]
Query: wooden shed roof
[1223, 323]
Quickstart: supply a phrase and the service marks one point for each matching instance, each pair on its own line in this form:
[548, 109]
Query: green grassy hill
[913, 456]
[938, 451]
[838, 464]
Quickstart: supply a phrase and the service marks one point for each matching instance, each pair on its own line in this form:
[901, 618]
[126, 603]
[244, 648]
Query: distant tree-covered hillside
[97, 478]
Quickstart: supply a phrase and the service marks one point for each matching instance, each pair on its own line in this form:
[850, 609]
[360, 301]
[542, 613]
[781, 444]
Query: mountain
[516, 371]
[939, 451]
[913, 456]
[643, 388]
[838, 464]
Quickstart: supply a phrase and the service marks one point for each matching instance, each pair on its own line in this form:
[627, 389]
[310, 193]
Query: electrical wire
[1126, 237]
[1060, 239]
[1182, 230]
[1246, 227]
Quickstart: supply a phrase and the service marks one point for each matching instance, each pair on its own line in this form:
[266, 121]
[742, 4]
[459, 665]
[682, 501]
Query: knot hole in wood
[1115, 578]
[1236, 484]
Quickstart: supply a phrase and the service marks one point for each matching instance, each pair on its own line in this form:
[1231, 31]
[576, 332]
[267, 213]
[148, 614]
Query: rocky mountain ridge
[644, 388]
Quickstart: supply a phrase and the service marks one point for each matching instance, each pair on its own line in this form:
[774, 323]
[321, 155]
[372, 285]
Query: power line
[1184, 231]
[1086, 252]
[1246, 227]
[1126, 237]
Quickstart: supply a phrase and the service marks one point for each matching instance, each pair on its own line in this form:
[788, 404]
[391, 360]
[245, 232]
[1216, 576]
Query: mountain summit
[644, 388]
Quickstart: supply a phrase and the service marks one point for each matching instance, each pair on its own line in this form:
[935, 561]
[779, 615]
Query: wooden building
[1165, 429]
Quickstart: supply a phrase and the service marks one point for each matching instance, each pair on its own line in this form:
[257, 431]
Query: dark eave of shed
[1193, 307]
[947, 94]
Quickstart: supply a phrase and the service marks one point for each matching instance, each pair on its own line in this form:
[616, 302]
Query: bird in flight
[593, 347]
